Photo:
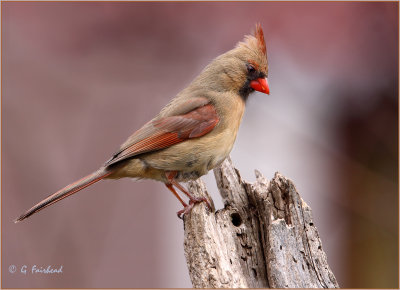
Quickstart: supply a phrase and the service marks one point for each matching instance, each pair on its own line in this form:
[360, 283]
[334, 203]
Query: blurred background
[79, 78]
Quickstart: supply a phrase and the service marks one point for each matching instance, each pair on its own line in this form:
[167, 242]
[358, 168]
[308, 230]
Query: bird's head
[253, 63]
[242, 70]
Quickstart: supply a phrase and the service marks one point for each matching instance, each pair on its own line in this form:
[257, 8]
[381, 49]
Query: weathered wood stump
[264, 237]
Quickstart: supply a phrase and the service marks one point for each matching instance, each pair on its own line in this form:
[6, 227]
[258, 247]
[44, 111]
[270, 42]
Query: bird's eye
[250, 69]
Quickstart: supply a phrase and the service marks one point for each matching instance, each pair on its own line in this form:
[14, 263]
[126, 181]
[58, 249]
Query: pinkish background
[79, 78]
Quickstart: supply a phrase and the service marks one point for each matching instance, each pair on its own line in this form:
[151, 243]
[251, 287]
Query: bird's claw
[185, 210]
[192, 202]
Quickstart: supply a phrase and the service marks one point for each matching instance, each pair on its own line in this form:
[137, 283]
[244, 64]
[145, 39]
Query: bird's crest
[255, 41]
[259, 34]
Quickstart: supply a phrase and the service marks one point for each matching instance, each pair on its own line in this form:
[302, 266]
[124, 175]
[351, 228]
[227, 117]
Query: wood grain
[264, 237]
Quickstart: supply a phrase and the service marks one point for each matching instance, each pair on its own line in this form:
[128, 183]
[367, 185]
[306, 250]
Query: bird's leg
[186, 207]
[192, 199]
[171, 187]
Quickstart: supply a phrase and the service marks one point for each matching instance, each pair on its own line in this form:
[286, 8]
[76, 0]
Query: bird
[193, 133]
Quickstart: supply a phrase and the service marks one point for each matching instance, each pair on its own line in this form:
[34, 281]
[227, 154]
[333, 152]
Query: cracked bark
[264, 237]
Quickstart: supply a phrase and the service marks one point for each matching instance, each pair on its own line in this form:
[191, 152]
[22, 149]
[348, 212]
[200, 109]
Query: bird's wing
[164, 132]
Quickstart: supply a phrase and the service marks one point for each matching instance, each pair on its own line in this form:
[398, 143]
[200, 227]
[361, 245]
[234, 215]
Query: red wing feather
[169, 131]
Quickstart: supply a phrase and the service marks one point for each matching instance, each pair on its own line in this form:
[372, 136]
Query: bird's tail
[66, 191]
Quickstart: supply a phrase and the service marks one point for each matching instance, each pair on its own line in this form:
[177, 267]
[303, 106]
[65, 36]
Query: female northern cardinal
[194, 133]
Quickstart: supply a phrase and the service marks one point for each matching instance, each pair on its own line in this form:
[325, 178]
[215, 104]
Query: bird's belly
[199, 168]
[193, 158]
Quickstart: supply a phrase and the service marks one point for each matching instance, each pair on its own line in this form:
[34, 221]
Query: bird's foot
[188, 208]
[185, 210]
[200, 199]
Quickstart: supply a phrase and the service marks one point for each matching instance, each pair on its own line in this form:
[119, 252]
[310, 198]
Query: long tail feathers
[66, 191]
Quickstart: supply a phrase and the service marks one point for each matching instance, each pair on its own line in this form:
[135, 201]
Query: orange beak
[260, 85]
